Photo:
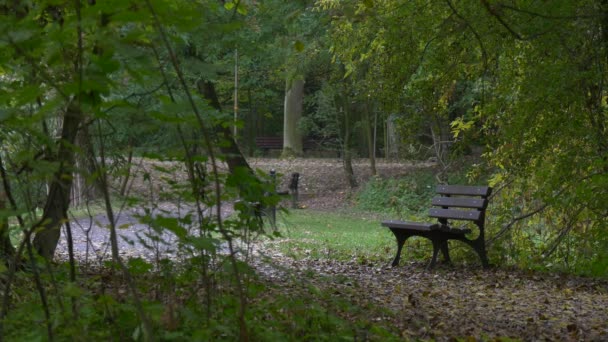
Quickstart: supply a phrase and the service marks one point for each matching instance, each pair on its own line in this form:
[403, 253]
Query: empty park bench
[269, 143]
[471, 203]
[266, 144]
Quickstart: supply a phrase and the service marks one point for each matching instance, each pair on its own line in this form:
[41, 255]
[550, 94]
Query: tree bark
[58, 200]
[347, 152]
[7, 251]
[294, 100]
[231, 151]
[371, 144]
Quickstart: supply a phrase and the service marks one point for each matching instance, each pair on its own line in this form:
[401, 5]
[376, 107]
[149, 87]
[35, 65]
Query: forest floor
[441, 304]
[447, 302]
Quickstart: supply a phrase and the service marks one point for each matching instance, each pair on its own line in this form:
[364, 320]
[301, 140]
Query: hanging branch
[562, 234]
[536, 211]
[210, 151]
[493, 12]
[508, 226]
[484, 53]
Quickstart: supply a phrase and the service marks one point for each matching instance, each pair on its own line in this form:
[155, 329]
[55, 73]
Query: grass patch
[355, 237]
[338, 236]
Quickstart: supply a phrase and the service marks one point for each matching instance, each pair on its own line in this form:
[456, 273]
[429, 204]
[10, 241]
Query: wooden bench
[471, 203]
[269, 143]
[276, 143]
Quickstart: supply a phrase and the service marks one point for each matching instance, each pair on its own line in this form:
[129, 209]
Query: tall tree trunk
[125, 181]
[370, 137]
[251, 120]
[346, 148]
[58, 200]
[82, 189]
[294, 100]
[7, 251]
[231, 151]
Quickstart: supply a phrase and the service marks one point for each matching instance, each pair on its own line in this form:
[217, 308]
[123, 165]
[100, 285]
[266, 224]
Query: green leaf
[298, 46]
[171, 224]
[139, 266]
[203, 243]
[241, 9]
[229, 5]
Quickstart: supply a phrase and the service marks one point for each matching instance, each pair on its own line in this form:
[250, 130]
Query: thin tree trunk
[7, 251]
[347, 151]
[231, 151]
[371, 143]
[58, 200]
[125, 181]
[251, 119]
[294, 99]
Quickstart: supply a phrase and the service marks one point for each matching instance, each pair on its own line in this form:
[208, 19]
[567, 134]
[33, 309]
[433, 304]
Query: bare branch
[562, 234]
[544, 16]
[501, 20]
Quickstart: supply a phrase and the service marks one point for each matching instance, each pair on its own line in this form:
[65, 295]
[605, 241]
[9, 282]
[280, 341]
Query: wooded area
[152, 114]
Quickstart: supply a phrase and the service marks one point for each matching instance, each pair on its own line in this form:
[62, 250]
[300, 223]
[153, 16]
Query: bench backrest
[471, 203]
[269, 142]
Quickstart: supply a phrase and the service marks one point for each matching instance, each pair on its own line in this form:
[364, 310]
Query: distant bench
[276, 143]
[269, 143]
[471, 205]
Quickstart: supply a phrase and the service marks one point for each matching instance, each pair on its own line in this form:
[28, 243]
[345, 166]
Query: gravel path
[91, 236]
[440, 305]
[322, 187]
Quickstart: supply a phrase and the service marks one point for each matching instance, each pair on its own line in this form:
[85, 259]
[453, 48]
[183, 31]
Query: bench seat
[423, 226]
[469, 205]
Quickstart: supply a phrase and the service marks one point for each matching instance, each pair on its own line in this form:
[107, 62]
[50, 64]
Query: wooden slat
[463, 190]
[468, 215]
[409, 225]
[458, 230]
[460, 202]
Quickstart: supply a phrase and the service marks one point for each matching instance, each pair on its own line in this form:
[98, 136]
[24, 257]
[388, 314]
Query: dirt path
[322, 187]
[457, 302]
[444, 303]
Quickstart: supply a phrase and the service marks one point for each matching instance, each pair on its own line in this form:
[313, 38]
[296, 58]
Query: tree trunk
[370, 135]
[125, 181]
[7, 251]
[58, 200]
[294, 98]
[251, 120]
[231, 151]
[347, 150]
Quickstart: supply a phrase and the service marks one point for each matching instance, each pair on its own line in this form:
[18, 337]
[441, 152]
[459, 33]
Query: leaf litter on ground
[456, 301]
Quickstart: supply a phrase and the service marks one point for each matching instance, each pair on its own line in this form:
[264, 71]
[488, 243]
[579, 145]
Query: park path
[91, 235]
[441, 304]
[455, 302]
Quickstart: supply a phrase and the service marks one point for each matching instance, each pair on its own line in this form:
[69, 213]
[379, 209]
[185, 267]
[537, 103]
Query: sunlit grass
[339, 236]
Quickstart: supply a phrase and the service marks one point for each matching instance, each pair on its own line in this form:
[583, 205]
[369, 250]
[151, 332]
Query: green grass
[351, 236]
[339, 236]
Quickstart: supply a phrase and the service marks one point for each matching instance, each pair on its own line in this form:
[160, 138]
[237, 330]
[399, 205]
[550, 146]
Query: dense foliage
[525, 80]
[87, 85]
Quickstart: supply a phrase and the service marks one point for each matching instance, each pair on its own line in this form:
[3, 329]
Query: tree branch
[501, 20]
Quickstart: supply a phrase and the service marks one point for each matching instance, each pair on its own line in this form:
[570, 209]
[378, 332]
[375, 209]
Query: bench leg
[436, 247]
[445, 251]
[479, 247]
[401, 236]
[439, 245]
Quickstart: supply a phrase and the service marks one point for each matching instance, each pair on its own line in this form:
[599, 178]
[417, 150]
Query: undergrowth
[540, 242]
[97, 307]
[405, 197]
